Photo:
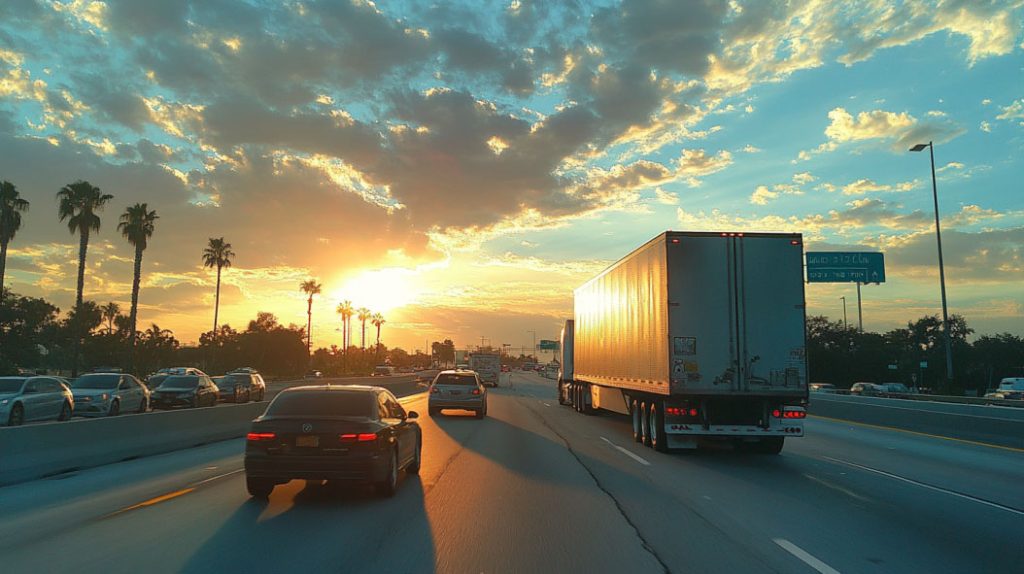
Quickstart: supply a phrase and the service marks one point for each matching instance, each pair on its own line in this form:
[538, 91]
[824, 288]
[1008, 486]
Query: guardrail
[39, 450]
[991, 424]
[942, 399]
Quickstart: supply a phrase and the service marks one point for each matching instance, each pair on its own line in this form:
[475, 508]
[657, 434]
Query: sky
[461, 167]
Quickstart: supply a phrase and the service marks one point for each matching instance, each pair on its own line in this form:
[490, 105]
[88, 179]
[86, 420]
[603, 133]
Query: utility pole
[846, 324]
[860, 311]
[534, 345]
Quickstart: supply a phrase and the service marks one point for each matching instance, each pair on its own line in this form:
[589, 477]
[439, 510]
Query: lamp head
[919, 147]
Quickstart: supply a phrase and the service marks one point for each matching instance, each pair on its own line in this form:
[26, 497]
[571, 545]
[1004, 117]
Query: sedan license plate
[456, 392]
[311, 441]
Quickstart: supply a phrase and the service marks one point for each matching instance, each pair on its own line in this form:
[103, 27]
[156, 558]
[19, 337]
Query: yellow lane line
[156, 500]
[881, 427]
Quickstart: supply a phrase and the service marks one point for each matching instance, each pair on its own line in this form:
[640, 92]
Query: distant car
[1011, 388]
[462, 367]
[156, 379]
[457, 390]
[895, 388]
[314, 375]
[821, 388]
[505, 369]
[350, 433]
[426, 376]
[108, 370]
[185, 391]
[382, 371]
[109, 394]
[867, 390]
[259, 386]
[27, 399]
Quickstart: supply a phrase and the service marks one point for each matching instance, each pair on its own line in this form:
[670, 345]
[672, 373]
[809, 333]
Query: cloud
[751, 149]
[696, 163]
[1014, 111]
[803, 178]
[901, 130]
[762, 195]
[666, 197]
[863, 186]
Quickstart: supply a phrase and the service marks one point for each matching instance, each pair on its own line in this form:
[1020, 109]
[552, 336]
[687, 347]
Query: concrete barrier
[1002, 426]
[35, 451]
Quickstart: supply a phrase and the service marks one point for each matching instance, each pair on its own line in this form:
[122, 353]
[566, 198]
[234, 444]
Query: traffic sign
[845, 267]
[546, 345]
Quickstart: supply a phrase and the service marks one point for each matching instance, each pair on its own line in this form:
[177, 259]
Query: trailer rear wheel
[638, 430]
[562, 393]
[656, 424]
[645, 424]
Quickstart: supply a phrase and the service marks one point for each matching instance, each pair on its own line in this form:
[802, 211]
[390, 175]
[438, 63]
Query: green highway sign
[845, 267]
[546, 345]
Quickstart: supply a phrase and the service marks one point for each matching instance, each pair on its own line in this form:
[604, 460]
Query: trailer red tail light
[795, 413]
[260, 436]
[675, 241]
[794, 242]
[693, 412]
[777, 413]
[681, 411]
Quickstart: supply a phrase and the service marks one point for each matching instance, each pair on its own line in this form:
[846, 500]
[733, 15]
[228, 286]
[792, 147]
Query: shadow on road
[323, 527]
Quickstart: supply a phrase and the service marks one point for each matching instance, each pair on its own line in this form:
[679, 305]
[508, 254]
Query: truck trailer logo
[684, 346]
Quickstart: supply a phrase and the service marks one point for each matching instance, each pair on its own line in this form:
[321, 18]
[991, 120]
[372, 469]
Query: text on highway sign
[845, 267]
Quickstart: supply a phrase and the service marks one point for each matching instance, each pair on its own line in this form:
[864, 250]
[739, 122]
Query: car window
[33, 386]
[99, 381]
[382, 407]
[125, 385]
[323, 403]
[454, 379]
[394, 408]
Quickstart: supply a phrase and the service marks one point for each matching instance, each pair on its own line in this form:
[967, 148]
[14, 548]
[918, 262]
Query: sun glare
[380, 290]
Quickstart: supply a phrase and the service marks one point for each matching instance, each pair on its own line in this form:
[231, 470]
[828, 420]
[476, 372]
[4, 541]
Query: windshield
[229, 381]
[448, 379]
[323, 404]
[11, 384]
[96, 382]
[180, 382]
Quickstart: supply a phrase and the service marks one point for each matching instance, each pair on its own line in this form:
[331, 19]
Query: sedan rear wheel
[414, 466]
[17, 416]
[389, 485]
[258, 487]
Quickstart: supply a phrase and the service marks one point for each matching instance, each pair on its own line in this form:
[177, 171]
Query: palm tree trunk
[378, 337]
[216, 302]
[133, 315]
[3, 268]
[364, 335]
[83, 246]
[309, 326]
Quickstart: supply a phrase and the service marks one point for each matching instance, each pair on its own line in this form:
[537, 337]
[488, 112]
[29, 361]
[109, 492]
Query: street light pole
[846, 324]
[942, 269]
[534, 344]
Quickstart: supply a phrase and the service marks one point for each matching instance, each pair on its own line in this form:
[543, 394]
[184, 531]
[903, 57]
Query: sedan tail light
[435, 390]
[260, 436]
[476, 391]
[360, 437]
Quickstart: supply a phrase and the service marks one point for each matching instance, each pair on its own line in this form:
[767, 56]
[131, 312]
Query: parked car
[109, 394]
[505, 369]
[382, 371]
[457, 390]
[27, 399]
[185, 391]
[240, 387]
[156, 379]
[822, 388]
[350, 433]
[867, 390]
[314, 375]
[1011, 388]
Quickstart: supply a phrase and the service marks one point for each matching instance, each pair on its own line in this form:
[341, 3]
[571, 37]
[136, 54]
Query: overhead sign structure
[845, 267]
[546, 345]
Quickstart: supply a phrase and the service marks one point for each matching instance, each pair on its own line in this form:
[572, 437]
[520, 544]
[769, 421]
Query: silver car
[26, 399]
[109, 394]
[457, 390]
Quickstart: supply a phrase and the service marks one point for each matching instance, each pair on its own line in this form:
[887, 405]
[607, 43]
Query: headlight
[4, 402]
[104, 397]
[83, 399]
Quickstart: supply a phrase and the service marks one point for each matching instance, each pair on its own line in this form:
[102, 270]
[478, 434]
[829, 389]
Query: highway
[536, 487]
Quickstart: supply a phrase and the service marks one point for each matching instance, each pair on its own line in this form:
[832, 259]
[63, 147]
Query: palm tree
[11, 208]
[310, 287]
[363, 314]
[78, 204]
[345, 310]
[217, 254]
[377, 319]
[110, 312]
[136, 226]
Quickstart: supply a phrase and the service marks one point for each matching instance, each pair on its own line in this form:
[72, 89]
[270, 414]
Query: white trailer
[695, 336]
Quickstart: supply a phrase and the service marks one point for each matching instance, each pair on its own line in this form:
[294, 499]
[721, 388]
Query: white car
[1009, 388]
[109, 394]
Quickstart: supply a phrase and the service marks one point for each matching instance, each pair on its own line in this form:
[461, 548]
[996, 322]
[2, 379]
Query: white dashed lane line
[627, 453]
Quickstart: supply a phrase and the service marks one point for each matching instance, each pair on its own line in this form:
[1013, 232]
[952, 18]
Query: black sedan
[354, 434]
[185, 391]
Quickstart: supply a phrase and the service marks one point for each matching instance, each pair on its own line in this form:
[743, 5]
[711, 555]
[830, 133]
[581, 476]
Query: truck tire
[656, 424]
[561, 393]
[770, 445]
[584, 397]
[645, 424]
[635, 412]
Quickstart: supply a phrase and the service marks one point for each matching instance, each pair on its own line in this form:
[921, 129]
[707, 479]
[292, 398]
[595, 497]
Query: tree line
[79, 205]
[913, 355]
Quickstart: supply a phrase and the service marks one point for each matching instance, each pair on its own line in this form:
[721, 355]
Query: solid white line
[545, 404]
[219, 476]
[928, 486]
[805, 557]
[627, 453]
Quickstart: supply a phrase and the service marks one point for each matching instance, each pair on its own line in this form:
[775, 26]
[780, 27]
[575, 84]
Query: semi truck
[487, 365]
[696, 336]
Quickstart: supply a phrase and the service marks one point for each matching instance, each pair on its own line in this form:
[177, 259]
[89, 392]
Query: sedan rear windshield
[232, 380]
[455, 380]
[323, 404]
[11, 384]
[181, 382]
[96, 382]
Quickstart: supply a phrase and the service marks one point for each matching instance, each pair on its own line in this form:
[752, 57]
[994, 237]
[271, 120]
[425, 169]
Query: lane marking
[805, 556]
[412, 398]
[954, 439]
[545, 404]
[928, 486]
[627, 453]
[218, 477]
[833, 486]
[156, 500]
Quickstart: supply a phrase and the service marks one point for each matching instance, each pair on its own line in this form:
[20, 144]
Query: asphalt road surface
[536, 487]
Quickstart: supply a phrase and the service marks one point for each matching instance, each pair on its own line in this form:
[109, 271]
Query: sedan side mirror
[412, 415]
